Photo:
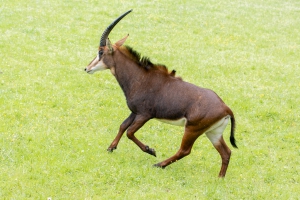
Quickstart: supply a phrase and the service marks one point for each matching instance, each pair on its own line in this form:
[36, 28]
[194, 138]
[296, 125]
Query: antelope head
[105, 49]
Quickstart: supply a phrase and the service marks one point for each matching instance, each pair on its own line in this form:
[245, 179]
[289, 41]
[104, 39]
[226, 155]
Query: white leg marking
[215, 132]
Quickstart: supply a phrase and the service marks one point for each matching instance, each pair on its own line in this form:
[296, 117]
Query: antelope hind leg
[187, 142]
[216, 138]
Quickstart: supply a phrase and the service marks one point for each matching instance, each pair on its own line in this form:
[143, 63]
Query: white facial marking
[96, 65]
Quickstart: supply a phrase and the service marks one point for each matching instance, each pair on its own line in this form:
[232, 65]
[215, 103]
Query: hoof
[150, 151]
[111, 149]
[157, 165]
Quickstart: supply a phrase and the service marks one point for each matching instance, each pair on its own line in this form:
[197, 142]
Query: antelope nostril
[85, 69]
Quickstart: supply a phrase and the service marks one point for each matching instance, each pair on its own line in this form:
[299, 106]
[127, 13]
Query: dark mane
[145, 62]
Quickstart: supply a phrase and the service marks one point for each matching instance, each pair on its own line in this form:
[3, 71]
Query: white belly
[178, 122]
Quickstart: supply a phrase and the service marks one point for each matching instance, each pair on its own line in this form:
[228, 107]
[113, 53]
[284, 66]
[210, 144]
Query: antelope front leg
[127, 122]
[138, 122]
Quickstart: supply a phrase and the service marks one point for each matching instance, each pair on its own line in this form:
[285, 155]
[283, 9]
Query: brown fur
[145, 62]
[151, 91]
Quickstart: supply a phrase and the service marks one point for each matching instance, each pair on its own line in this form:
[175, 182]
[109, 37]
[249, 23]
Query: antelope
[152, 91]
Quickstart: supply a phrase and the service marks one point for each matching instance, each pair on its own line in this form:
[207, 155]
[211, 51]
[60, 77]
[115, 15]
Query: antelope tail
[232, 139]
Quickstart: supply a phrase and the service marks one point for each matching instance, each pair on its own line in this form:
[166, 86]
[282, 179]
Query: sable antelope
[153, 92]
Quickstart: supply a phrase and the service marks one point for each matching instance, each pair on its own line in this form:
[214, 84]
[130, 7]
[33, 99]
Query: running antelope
[152, 91]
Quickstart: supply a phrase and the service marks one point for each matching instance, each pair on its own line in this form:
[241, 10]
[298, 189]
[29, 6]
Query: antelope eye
[100, 54]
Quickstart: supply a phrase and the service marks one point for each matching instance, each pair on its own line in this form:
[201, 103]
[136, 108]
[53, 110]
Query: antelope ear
[109, 46]
[121, 42]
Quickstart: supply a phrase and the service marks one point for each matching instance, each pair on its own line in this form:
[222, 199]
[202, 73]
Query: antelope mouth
[88, 71]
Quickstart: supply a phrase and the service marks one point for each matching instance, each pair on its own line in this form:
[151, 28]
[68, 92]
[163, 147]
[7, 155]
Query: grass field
[56, 121]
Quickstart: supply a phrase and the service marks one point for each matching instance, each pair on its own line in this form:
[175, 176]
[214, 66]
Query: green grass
[56, 121]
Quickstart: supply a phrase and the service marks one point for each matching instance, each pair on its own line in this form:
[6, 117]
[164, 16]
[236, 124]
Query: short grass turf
[56, 121]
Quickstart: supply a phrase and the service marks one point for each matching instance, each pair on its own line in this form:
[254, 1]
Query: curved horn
[110, 27]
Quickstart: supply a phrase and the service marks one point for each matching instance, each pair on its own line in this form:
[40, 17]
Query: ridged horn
[110, 27]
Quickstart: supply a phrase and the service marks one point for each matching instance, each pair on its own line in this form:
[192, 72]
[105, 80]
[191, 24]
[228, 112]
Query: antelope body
[153, 92]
